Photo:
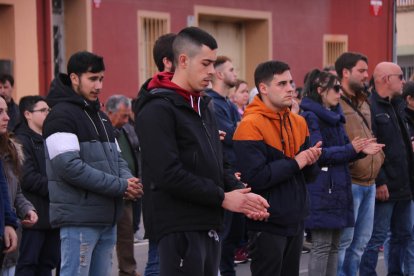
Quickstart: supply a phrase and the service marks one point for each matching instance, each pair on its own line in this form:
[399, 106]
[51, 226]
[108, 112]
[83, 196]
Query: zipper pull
[181, 262]
[330, 191]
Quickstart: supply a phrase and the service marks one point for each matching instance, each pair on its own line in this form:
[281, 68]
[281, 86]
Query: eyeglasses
[400, 76]
[42, 110]
[337, 88]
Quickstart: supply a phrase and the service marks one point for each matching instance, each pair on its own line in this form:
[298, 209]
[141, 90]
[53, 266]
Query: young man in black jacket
[40, 244]
[88, 179]
[182, 164]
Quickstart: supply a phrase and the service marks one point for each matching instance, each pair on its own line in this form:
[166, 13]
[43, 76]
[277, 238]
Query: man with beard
[227, 116]
[352, 70]
[88, 179]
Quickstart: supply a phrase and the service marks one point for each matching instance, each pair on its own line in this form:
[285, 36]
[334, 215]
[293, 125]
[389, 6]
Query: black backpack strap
[348, 101]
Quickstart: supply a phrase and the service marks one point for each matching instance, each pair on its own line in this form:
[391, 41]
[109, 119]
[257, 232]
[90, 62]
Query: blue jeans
[409, 254]
[87, 250]
[153, 264]
[354, 239]
[396, 217]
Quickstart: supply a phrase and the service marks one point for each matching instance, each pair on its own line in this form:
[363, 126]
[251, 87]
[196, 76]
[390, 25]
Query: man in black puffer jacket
[87, 176]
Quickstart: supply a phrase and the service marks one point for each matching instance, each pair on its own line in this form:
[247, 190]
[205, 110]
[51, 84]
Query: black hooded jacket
[183, 171]
[34, 178]
[87, 176]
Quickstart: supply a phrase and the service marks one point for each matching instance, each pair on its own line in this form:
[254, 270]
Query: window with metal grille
[408, 71]
[151, 26]
[333, 47]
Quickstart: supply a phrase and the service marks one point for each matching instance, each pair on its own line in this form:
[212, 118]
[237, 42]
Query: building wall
[25, 53]
[368, 34]
[297, 32]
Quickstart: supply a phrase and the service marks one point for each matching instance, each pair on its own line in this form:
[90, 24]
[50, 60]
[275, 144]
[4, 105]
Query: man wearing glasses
[394, 181]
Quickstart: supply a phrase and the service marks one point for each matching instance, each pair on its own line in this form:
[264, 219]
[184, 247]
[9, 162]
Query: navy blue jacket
[227, 118]
[7, 216]
[388, 125]
[331, 202]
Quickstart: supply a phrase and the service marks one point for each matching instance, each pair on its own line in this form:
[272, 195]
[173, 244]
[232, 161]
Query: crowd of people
[222, 175]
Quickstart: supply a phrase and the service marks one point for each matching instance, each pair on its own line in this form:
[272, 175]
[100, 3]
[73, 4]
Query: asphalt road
[141, 250]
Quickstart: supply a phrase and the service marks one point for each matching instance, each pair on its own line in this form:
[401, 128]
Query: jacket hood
[61, 91]
[213, 94]
[331, 116]
[163, 80]
[258, 106]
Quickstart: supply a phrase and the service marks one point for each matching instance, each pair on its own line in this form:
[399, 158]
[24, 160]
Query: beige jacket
[363, 171]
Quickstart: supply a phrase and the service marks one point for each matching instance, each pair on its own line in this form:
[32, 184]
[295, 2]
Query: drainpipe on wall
[394, 31]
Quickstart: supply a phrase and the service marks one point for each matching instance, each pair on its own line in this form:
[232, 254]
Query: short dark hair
[408, 89]
[192, 35]
[221, 60]
[82, 62]
[27, 103]
[7, 77]
[265, 71]
[348, 60]
[163, 49]
[317, 78]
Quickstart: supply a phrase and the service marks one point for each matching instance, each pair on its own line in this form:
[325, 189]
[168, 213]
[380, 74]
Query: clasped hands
[243, 201]
[134, 189]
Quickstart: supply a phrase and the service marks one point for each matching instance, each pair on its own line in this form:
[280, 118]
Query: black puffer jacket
[390, 129]
[34, 178]
[183, 172]
[87, 176]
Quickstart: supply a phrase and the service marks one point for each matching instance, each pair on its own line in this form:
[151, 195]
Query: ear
[167, 64]
[74, 79]
[263, 88]
[219, 74]
[183, 61]
[27, 115]
[346, 73]
[319, 90]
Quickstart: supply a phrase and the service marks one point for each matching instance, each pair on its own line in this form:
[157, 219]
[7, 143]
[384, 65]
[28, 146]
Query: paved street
[141, 250]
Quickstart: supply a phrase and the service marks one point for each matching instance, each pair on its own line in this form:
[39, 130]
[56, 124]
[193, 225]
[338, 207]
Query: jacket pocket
[382, 118]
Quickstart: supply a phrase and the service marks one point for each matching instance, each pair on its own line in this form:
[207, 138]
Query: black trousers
[189, 253]
[274, 255]
[39, 252]
[231, 237]
[1, 251]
